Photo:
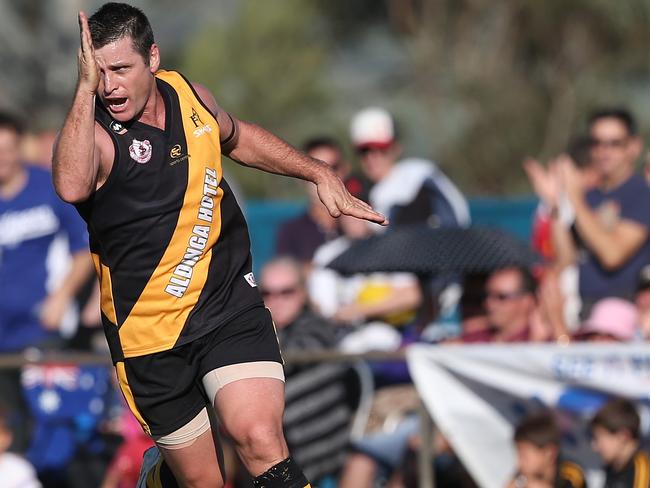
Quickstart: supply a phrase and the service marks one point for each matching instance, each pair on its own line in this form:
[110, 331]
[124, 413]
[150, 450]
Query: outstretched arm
[75, 163]
[254, 146]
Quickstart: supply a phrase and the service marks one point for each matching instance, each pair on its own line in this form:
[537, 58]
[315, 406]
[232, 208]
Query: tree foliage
[476, 85]
[508, 78]
[265, 65]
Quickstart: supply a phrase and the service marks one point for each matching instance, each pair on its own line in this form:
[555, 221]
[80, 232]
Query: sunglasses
[502, 296]
[365, 150]
[281, 292]
[610, 143]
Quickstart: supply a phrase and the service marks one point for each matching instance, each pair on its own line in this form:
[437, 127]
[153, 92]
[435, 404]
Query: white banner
[477, 393]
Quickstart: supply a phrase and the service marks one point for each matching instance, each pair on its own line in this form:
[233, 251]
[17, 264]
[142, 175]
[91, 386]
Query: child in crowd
[539, 463]
[616, 438]
[15, 471]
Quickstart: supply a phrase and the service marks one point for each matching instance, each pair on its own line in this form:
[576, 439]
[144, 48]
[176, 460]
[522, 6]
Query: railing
[425, 453]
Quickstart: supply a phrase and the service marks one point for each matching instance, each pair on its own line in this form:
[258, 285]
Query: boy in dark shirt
[616, 438]
[539, 464]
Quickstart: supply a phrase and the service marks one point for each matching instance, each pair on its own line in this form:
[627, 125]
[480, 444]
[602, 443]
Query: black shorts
[164, 389]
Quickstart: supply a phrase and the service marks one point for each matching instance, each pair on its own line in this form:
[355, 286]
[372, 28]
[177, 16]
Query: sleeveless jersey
[169, 241]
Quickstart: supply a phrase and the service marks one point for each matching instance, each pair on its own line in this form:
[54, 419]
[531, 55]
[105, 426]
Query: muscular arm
[75, 162]
[254, 146]
[612, 247]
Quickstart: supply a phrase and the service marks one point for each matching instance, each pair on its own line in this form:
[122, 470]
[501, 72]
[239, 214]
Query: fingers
[362, 210]
[84, 35]
[355, 208]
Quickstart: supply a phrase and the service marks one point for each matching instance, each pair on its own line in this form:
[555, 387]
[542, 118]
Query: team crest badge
[140, 151]
[116, 126]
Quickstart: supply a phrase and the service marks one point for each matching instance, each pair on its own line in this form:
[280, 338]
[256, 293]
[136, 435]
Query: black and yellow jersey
[570, 475]
[169, 241]
[635, 474]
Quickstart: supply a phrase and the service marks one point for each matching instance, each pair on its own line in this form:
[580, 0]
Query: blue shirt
[30, 223]
[630, 201]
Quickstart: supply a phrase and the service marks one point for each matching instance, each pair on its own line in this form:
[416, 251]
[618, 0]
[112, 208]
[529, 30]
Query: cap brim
[374, 145]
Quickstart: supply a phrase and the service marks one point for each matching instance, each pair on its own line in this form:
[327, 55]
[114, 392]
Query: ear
[154, 58]
[636, 147]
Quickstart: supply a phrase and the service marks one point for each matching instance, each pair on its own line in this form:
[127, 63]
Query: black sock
[167, 479]
[285, 474]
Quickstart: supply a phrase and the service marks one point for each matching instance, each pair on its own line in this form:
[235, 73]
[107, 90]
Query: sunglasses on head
[281, 292]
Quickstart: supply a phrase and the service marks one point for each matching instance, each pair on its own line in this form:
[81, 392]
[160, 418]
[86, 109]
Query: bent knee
[260, 439]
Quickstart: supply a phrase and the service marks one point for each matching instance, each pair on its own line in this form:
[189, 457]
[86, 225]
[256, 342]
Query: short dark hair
[616, 415]
[621, 114]
[540, 429]
[114, 21]
[528, 281]
[11, 122]
[321, 141]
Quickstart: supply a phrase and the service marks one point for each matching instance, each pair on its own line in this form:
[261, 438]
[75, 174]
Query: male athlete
[139, 154]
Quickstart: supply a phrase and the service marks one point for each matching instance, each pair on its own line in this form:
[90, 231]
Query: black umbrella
[426, 251]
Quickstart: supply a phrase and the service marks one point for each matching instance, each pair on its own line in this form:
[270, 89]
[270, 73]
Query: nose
[109, 83]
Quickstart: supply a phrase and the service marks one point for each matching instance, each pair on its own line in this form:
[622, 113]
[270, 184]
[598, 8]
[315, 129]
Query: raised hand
[570, 178]
[542, 182]
[88, 69]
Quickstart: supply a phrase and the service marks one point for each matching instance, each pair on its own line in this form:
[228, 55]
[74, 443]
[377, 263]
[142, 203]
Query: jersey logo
[199, 131]
[176, 155]
[117, 127]
[175, 151]
[250, 279]
[195, 118]
[140, 151]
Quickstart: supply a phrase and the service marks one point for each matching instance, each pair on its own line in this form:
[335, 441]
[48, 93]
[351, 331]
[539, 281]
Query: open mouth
[116, 104]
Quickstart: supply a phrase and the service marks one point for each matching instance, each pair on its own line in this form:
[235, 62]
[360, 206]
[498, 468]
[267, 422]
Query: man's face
[9, 153]
[376, 163]
[608, 444]
[507, 305]
[614, 149]
[283, 293]
[533, 461]
[126, 80]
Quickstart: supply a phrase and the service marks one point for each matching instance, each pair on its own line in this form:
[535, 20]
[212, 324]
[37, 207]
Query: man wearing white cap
[409, 191]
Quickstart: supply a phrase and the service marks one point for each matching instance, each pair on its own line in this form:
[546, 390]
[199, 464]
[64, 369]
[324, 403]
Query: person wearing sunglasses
[317, 413]
[609, 236]
[510, 309]
[408, 191]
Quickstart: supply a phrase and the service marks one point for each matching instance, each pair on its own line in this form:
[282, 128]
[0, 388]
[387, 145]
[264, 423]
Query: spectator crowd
[348, 425]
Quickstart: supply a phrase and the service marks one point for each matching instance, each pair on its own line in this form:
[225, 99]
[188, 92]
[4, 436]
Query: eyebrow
[119, 64]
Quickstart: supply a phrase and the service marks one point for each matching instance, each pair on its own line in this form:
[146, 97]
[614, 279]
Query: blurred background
[486, 93]
[476, 84]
